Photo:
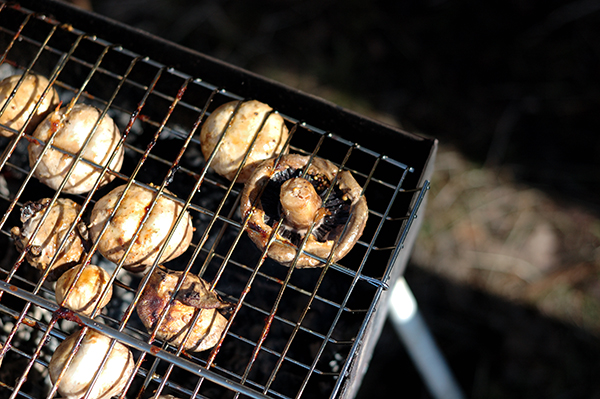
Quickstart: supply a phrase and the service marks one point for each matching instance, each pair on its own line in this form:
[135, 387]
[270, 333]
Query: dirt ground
[506, 266]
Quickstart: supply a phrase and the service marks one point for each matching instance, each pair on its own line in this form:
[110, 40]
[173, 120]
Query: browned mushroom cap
[24, 101]
[300, 201]
[129, 216]
[194, 295]
[248, 119]
[84, 294]
[94, 362]
[71, 128]
[45, 244]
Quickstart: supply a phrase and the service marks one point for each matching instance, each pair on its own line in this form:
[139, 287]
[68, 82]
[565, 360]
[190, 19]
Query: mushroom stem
[300, 202]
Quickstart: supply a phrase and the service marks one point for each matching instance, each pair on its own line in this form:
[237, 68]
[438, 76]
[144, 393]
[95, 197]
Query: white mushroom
[82, 296]
[24, 101]
[72, 130]
[239, 135]
[127, 219]
[87, 361]
[44, 245]
[339, 213]
[193, 296]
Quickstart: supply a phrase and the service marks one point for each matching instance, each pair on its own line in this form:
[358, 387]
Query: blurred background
[507, 263]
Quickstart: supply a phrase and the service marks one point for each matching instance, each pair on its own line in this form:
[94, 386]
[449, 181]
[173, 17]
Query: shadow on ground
[512, 84]
[495, 348]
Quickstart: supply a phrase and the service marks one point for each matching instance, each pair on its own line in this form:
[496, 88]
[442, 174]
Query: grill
[290, 332]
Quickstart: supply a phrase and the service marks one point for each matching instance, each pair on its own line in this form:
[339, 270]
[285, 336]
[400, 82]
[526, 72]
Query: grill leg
[410, 326]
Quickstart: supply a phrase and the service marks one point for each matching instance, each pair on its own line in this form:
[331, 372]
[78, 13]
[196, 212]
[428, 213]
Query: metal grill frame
[305, 114]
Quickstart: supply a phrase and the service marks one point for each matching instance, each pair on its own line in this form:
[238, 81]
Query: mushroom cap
[239, 134]
[86, 293]
[72, 130]
[327, 235]
[22, 104]
[209, 327]
[44, 245]
[86, 362]
[127, 219]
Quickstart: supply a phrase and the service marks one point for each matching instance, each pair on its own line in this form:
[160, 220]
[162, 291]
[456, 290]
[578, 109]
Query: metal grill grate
[291, 333]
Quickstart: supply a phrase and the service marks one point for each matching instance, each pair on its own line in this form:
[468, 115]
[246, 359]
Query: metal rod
[127, 339]
[419, 343]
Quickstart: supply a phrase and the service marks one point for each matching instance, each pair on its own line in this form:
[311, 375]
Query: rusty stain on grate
[291, 332]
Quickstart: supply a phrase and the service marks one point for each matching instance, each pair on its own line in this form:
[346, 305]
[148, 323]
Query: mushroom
[44, 246]
[193, 296]
[84, 295]
[72, 128]
[87, 361]
[126, 220]
[300, 201]
[239, 132]
[24, 101]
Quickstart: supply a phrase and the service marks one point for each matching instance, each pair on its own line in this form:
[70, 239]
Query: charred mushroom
[300, 201]
[72, 130]
[46, 242]
[86, 362]
[193, 296]
[22, 104]
[128, 217]
[82, 296]
[239, 135]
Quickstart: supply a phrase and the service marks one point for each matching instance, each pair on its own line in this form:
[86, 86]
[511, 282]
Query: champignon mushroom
[43, 247]
[239, 134]
[300, 201]
[87, 361]
[72, 129]
[24, 101]
[83, 296]
[126, 220]
[193, 296]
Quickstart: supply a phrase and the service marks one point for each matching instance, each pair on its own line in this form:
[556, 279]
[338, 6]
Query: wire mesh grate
[290, 332]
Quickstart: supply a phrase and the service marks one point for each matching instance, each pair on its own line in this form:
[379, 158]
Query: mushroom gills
[337, 204]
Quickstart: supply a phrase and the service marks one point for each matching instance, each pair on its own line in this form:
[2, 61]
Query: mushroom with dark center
[339, 213]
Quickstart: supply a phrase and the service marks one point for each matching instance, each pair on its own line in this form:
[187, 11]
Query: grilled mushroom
[127, 219]
[86, 362]
[239, 135]
[300, 201]
[72, 130]
[82, 296]
[193, 296]
[22, 104]
[45, 244]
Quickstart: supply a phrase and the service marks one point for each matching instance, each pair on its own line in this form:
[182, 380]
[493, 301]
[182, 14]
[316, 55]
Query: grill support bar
[134, 343]
[419, 343]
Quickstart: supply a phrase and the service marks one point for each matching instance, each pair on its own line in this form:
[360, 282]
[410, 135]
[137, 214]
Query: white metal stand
[420, 345]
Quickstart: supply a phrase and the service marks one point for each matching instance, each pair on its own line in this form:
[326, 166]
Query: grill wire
[290, 333]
